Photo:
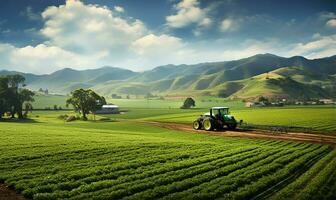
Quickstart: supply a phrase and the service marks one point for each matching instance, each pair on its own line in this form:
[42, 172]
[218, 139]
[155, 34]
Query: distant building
[326, 101]
[255, 104]
[108, 109]
[249, 104]
[263, 104]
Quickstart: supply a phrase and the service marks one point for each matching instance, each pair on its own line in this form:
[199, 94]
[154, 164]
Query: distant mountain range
[262, 74]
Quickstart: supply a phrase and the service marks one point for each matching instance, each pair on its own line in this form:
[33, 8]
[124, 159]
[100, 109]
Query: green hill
[262, 74]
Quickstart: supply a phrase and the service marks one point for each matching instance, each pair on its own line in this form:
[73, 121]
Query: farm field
[319, 119]
[50, 159]
[44, 101]
[316, 119]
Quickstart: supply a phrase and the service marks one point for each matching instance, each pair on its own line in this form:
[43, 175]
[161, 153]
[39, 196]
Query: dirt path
[9, 194]
[303, 137]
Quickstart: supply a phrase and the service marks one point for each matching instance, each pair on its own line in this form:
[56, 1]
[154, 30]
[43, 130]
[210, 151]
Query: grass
[312, 118]
[51, 159]
[305, 118]
[43, 101]
[173, 103]
[318, 119]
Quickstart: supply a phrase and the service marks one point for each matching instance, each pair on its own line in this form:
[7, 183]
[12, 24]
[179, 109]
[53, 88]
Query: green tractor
[217, 118]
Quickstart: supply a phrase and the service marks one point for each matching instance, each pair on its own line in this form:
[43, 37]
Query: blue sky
[42, 36]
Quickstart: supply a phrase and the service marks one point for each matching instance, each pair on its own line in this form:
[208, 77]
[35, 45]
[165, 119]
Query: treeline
[14, 98]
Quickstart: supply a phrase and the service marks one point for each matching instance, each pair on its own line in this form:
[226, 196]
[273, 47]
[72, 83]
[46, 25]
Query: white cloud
[189, 12]
[42, 58]
[119, 9]
[327, 15]
[228, 25]
[157, 49]
[321, 46]
[331, 23]
[152, 45]
[81, 36]
[90, 28]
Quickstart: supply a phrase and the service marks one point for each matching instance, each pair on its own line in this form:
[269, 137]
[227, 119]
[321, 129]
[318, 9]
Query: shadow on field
[15, 120]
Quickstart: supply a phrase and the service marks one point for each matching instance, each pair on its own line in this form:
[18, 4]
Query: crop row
[182, 178]
[138, 176]
[77, 178]
[101, 166]
[321, 186]
[292, 189]
[96, 185]
[215, 187]
[262, 184]
[97, 165]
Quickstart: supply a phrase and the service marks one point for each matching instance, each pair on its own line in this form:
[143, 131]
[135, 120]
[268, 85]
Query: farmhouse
[108, 109]
[255, 104]
[249, 104]
[327, 101]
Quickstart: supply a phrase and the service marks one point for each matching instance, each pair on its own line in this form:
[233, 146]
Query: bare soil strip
[8, 194]
[255, 134]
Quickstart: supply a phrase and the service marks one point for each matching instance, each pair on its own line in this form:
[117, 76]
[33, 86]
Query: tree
[4, 103]
[24, 95]
[85, 101]
[149, 95]
[13, 95]
[188, 103]
[14, 82]
[262, 99]
[28, 108]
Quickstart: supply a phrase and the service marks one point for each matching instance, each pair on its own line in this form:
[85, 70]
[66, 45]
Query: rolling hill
[262, 74]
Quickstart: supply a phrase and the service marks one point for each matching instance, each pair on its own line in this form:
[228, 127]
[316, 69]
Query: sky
[42, 36]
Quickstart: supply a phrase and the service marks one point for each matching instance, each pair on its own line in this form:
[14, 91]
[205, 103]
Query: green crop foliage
[318, 119]
[47, 158]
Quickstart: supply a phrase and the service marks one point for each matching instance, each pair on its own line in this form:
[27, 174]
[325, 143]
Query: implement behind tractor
[218, 118]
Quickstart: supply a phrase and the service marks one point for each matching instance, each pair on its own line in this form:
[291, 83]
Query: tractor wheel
[196, 125]
[208, 124]
[232, 126]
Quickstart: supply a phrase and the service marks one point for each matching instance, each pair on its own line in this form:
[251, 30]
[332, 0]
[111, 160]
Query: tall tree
[4, 103]
[14, 83]
[24, 95]
[28, 107]
[85, 101]
[13, 95]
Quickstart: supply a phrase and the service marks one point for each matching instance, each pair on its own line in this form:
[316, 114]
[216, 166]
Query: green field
[315, 119]
[320, 119]
[49, 159]
[44, 101]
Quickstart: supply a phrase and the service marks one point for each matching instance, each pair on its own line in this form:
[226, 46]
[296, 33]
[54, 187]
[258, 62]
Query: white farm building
[108, 109]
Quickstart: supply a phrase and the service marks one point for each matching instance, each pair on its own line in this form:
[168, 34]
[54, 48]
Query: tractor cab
[219, 112]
